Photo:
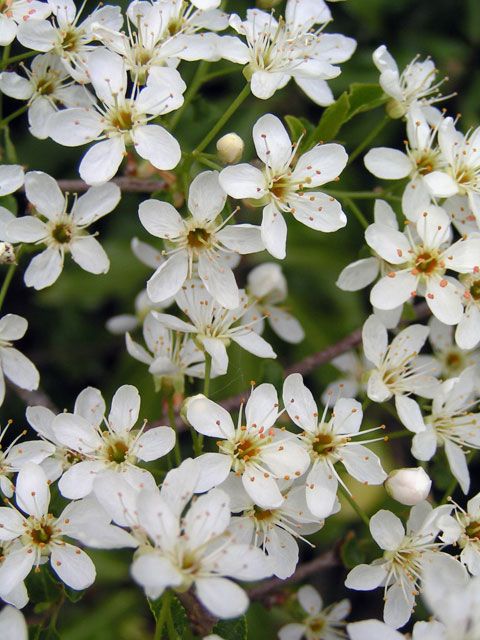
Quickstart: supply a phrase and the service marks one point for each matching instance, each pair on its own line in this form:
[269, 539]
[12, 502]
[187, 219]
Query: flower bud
[408, 486]
[230, 148]
[395, 109]
[7, 253]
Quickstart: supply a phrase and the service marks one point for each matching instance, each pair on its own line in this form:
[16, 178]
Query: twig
[201, 620]
[325, 561]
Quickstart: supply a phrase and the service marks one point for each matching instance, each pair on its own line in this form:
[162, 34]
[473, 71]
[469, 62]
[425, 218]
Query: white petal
[210, 418]
[19, 369]
[90, 405]
[458, 465]
[241, 238]
[365, 577]
[77, 482]
[389, 164]
[45, 194]
[372, 630]
[169, 277]
[424, 445]
[76, 433]
[264, 83]
[393, 290]
[74, 127]
[389, 243]
[299, 402]
[11, 178]
[125, 409]
[73, 566]
[409, 413]
[218, 279]
[156, 145]
[159, 521]
[213, 470]
[15, 86]
[25, 229]
[32, 492]
[38, 35]
[221, 597]
[44, 269]
[108, 74]
[13, 625]
[272, 142]
[243, 181]
[398, 605]
[263, 490]
[318, 211]
[154, 444]
[321, 490]
[440, 184]
[207, 518]
[387, 530]
[444, 300]
[101, 162]
[322, 164]
[291, 631]
[95, 203]
[253, 343]
[206, 198]
[160, 219]
[274, 231]
[89, 254]
[358, 274]
[14, 569]
[155, 573]
[375, 340]
[310, 600]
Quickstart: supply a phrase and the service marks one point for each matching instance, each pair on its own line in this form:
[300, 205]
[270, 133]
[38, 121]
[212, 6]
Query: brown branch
[127, 185]
[201, 620]
[265, 590]
[34, 398]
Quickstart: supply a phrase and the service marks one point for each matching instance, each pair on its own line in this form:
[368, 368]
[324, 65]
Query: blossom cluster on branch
[242, 489]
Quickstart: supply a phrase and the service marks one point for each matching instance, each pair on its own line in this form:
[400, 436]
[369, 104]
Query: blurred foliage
[67, 338]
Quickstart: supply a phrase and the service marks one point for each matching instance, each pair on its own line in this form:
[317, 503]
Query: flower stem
[171, 418]
[208, 163]
[196, 83]
[371, 136]
[13, 115]
[8, 279]
[361, 513]
[6, 61]
[223, 120]
[356, 212]
[162, 618]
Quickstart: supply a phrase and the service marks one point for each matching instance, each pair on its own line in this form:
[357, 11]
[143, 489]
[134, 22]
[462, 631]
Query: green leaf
[331, 121]
[10, 203]
[10, 153]
[232, 629]
[73, 595]
[364, 97]
[179, 617]
[351, 553]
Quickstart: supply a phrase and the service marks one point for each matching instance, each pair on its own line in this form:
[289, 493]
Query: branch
[201, 620]
[266, 590]
[34, 398]
[127, 184]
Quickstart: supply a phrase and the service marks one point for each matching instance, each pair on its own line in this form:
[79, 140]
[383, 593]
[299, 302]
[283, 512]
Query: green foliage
[232, 629]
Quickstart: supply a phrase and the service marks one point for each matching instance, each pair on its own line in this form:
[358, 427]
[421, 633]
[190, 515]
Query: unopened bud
[408, 486]
[395, 109]
[7, 253]
[230, 148]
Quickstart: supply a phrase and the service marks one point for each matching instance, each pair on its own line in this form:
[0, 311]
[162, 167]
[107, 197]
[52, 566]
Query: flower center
[45, 86]
[426, 262]
[70, 40]
[117, 451]
[5, 7]
[316, 625]
[323, 444]
[280, 188]
[198, 238]
[42, 534]
[62, 233]
[175, 26]
[262, 515]
[122, 119]
[425, 164]
[473, 530]
[475, 290]
[246, 449]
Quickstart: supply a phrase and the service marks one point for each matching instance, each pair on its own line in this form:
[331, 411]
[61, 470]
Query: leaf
[364, 97]
[331, 121]
[232, 629]
[10, 152]
[351, 553]
[10, 203]
[179, 617]
[73, 595]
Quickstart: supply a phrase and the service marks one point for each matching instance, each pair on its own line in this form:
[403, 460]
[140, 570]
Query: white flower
[41, 536]
[421, 157]
[395, 371]
[467, 334]
[15, 12]
[194, 550]
[66, 36]
[320, 623]
[13, 364]
[328, 442]
[376, 630]
[462, 172]
[463, 529]
[408, 486]
[292, 47]
[281, 185]
[267, 288]
[11, 178]
[118, 447]
[449, 423]
[12, 624]
[203, 240]
[273, 530]
[414, 86]
[255, 449]
[214, 326]
[121, 118]
[62, 231]
[162, 33]
[48, 85]
[400, 569]
[172, 356]
[353, 381]
[16, 455]
[421, 265]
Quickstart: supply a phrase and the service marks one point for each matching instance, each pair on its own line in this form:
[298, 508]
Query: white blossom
[462, 528]
[47, 86]
[121, 118]
[329, 442]
[12, 624]
[320, 623]
[118, 447]
[62, 229]
[406, 553]
[292, 47]
[450, 423]
[408, 486]
[194, 550]
[16, 12]
[41, 535]
[284, 184]
[213, 326]
[202, 241]
[467, 334]
[255, 449]
[13, 364]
